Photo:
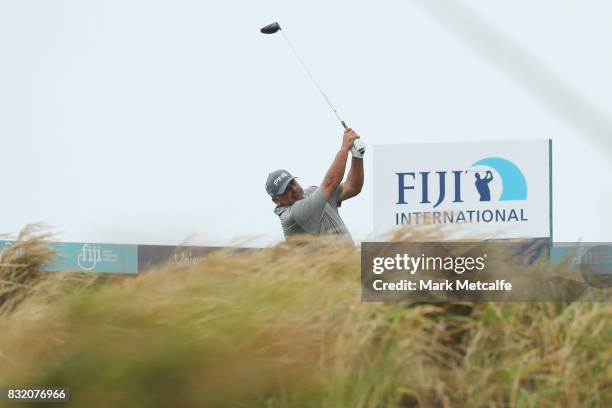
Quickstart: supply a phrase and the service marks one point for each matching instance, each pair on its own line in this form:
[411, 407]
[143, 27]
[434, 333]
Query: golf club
[274, 28]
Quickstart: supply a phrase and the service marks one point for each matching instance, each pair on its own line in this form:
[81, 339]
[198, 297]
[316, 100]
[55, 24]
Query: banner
[109, 258]
[488, 190]
[91, 257]
[125, 259]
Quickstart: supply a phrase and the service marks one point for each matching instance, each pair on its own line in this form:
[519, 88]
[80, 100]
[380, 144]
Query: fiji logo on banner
[89, 257]
[513, 180]
[104, 257]
[432, 189]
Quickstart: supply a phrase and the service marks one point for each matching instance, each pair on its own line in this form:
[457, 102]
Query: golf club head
[271, 28]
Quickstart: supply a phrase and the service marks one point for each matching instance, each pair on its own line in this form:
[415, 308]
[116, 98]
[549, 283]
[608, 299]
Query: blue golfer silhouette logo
[482, 185]
[514, 185]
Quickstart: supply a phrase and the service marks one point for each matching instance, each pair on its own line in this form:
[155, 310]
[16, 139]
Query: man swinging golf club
[315, 209]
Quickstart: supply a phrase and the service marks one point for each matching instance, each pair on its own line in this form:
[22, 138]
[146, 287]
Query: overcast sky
[158, 121]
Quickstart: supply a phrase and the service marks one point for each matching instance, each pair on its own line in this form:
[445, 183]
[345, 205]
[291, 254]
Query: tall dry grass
[285, 327]
[24, 274]
[21, 265]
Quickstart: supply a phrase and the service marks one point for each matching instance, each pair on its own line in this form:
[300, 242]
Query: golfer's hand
[358, 149]
[348, 138]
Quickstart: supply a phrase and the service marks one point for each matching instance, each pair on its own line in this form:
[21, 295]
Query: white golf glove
[358, 149]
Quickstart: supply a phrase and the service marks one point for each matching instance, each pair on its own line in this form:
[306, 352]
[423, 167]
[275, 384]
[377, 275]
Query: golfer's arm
[354, 181]
[334, 175]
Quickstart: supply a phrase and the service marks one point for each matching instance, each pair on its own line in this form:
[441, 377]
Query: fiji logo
[514, 185]
[89, 257]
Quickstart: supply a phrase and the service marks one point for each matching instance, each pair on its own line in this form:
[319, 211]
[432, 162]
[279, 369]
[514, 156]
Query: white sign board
[499, 189]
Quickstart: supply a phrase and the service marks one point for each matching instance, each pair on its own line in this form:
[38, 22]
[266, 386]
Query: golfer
[315, 209]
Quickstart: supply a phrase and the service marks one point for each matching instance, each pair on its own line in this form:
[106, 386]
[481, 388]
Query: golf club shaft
[314, 81]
